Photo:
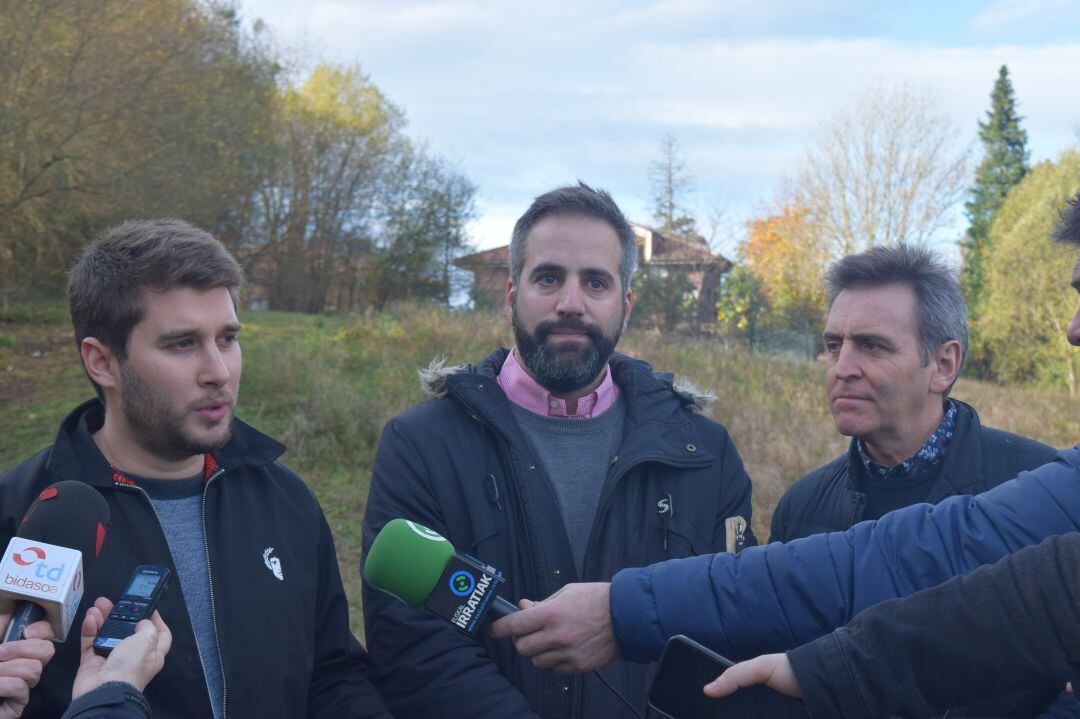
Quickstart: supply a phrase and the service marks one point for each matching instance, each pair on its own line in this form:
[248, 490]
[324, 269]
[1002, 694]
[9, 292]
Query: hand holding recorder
[135, 660]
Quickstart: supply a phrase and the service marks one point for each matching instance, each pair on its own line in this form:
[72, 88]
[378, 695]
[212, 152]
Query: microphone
[42, 571]
[420, 567]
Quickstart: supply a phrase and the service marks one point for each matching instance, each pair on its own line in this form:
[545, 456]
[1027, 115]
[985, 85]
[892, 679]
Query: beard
[572, 366]
[158, 428]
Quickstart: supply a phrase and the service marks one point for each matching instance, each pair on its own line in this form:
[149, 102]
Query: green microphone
[420, 567]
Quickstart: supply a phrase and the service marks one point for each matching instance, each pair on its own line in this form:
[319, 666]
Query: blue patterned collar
[931, 453]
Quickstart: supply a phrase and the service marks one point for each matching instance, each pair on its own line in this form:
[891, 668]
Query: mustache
[572, 324]
[214, 400]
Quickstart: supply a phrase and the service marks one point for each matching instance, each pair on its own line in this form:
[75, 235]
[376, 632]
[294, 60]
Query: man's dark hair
[105, 287]
[940, 310]
[575, 200]
[1067, 230]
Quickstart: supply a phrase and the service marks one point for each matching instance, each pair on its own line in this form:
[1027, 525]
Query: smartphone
[148, 582]
[676, 690]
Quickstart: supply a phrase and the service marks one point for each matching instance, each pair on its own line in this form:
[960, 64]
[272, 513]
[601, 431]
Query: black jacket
[828, 499]
[1003, 627]
[461, 465]
[286, 649]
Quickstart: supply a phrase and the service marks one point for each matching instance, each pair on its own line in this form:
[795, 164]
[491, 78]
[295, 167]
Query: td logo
[38, 552]
[36, 555]
[462, 583]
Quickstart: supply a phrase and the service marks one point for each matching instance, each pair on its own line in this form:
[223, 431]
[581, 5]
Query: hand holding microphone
[21, 664]
[41, 578]
[42, 571]
[421, 568]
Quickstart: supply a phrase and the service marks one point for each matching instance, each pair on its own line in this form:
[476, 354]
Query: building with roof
[703, 268]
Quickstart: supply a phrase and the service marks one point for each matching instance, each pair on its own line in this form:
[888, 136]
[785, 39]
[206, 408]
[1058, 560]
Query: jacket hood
[433, 378]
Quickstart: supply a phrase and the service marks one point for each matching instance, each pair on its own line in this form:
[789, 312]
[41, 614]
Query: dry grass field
[326, 385]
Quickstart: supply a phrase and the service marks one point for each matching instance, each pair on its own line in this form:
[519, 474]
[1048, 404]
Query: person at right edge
[1003, 627]
[896, 338]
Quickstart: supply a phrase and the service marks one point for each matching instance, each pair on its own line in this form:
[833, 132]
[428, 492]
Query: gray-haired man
[895, 340]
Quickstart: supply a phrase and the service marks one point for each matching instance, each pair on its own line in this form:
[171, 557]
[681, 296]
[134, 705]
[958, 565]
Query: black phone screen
[686, 667]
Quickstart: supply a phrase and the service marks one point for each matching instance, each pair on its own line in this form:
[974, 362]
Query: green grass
[326, 385]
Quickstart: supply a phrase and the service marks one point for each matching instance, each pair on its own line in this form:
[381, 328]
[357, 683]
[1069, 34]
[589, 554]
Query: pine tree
[670, 186]
[1004, 164]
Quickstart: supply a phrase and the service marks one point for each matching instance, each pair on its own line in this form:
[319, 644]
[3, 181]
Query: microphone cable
[616, 692]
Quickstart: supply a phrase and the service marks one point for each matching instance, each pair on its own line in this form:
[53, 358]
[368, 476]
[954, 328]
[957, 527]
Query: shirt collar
[529, 394]
[929, 455]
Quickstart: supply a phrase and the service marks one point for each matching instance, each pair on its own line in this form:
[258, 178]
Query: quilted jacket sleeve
[779, 596]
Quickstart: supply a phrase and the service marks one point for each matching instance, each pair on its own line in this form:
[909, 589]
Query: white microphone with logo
[42, 571]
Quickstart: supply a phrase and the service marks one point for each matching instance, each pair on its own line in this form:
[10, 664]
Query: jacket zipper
[213, 609]
[605, 497]
[856, 500]
[576, 706]
[194, 634]
[609, 490]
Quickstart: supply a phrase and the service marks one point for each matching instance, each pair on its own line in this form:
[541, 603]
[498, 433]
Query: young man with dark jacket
[555, 461]
[257, 611]
[782, 595]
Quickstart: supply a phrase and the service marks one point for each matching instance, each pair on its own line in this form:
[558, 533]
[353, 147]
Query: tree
[353, 213]
[882, 172]
[663, 298]
[670, 184]
[337, 134]
[743, 306]
[1004, 163]
[1024, 313]
[426, 207]
[785, 252]
[114, 108]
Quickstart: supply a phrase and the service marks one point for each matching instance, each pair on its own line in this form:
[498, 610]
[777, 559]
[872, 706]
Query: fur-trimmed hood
[433, 378]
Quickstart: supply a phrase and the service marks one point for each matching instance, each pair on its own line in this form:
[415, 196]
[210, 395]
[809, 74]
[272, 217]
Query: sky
[526, 96]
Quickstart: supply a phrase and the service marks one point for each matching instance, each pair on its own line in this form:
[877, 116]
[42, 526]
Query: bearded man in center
[556, 461]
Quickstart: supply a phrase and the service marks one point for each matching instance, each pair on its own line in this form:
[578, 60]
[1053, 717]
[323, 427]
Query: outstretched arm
[1005, 627]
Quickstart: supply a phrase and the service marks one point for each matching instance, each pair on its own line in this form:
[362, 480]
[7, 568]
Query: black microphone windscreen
[68, 514]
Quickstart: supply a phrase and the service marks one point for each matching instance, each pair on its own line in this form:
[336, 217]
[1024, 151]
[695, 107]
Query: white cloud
[1013, 15]
[531, 95]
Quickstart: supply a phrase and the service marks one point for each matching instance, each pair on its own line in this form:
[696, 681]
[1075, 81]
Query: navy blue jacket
[461, 465]
[779, 596]
[1007, 626]
[286, 649]
[828, 499]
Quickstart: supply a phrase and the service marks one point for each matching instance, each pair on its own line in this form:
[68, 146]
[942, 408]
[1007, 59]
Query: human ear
[946, 361]
[511, 295]
[100, 362]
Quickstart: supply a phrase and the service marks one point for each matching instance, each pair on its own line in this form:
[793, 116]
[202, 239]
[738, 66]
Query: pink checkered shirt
[527, 393]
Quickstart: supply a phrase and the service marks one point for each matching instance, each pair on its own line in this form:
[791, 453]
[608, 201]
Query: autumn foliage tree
[127, 108]
[785, 251]
[115, 108]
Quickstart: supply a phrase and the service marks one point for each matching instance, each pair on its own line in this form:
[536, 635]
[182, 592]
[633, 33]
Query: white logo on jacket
[272, 563]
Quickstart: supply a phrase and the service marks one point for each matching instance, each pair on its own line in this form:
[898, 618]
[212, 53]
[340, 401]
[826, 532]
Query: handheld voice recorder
[147, 584]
